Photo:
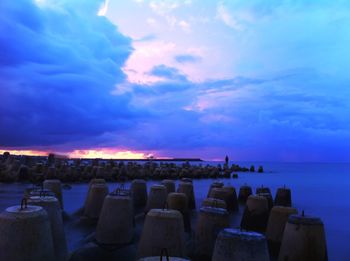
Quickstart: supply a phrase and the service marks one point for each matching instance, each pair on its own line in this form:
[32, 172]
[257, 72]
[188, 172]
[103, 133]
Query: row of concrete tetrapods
[34, 230]
[265, 229]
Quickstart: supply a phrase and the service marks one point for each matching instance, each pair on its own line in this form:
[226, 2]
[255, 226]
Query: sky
[255, 80]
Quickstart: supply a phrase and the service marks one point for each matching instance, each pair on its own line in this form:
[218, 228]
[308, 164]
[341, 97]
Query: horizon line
[173, 159]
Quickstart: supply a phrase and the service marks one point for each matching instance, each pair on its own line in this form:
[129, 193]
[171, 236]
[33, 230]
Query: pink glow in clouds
[104, 153]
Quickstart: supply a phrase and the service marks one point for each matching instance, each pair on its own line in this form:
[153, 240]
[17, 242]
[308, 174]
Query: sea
[318, 189]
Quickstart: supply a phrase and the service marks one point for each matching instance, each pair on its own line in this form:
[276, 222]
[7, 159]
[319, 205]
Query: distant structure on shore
[226, 160]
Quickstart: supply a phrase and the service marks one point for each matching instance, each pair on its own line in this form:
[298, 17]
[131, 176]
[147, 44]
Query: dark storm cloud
[58, 66]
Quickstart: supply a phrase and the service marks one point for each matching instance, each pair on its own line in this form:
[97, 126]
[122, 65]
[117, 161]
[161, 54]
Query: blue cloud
[187, 58]
[169, 73]
[280, 117]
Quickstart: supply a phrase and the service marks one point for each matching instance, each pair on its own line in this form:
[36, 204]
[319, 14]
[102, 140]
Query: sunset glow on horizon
[25, 152]
[85, 154]
[107, 154]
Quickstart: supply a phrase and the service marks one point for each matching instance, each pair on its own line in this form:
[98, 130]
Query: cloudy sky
[256, 80]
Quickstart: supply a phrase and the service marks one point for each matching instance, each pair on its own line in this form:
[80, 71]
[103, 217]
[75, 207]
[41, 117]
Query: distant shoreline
[37, 169]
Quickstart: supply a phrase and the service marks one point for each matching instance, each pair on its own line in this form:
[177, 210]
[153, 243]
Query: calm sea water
[320, 189]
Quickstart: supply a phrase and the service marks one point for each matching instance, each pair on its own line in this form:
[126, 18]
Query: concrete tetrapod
[228, 194]
[187, 180]
[32, 192]
[163, 255]
[214, 203]
[92, 182]
[25, 234]
[169, 184]
[269, 199]
[275, 227]
[115, 225]
[100, 172]
[244, 192]
[262, 189]
[156, 198]
[256, 214]
[283, 197]
[303, 240]
[96, 196]
[214, 185]
[179, 201]
[237, 245]
[162, 229]
[55, 186]
[53, 209]
[210, 222]
[51, 172]
[139, 192]
[187, 188]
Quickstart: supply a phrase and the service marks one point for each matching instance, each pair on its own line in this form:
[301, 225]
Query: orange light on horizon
[107, 154]
[26, 152]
